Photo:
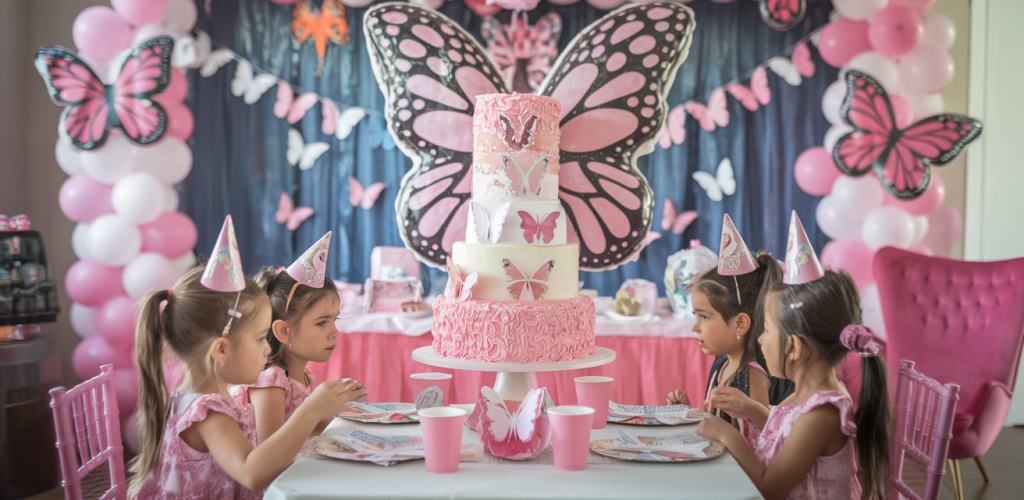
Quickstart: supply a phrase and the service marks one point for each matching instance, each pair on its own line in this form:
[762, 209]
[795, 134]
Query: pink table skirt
[645, 369]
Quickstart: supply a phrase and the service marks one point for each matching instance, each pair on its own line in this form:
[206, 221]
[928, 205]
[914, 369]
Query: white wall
[995, 177]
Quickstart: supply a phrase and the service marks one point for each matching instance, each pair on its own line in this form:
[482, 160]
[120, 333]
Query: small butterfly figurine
[675, 221]
[539, 228]
[720, 185]
[517, 435]
[460, 285]
[714, 114]
[290, 215]
[302, 155]
[488, 226]
[518, 282]
[327, 26]
[364, 197]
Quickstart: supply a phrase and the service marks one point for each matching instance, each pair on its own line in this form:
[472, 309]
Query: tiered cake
[513, 294]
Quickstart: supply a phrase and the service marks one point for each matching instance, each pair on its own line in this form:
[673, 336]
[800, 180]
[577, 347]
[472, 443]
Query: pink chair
[962, 322]
[924, 425]
[89, 433]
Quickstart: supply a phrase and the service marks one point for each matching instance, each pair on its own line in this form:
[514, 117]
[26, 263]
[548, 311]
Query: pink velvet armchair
[962, 323]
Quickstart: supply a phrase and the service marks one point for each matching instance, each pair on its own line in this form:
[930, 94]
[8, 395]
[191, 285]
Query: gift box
[393, 263]
[642, 291]
[387, 295]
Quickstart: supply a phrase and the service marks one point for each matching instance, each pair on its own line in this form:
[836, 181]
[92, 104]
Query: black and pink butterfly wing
[72, 83]
[783, 15]
[612, 80]
[145, 73]
[430, 71]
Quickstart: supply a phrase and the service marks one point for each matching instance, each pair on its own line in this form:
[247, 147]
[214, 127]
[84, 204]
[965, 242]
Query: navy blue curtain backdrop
[240, 164]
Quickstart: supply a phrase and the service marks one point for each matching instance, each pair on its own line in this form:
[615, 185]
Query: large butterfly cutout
[611, 81]
[515, 435]
[93, 108]
[899, 157]
[326, 26]
[518, 283]
[783, 15]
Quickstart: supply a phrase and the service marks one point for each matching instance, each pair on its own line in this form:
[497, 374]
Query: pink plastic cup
[570, 435]
[594, 391]
[423, 381]
[442, 437]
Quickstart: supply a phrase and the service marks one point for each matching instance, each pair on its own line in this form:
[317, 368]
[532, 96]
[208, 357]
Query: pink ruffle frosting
[513, 331]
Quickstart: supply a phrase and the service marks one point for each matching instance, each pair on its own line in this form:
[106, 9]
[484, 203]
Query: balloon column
[122, 167]
[903, 46]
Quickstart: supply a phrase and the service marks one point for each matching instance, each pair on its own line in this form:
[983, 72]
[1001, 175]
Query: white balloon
[920, 228]
[184, 263]
[139, 197]
[922, 105]
[878, 65]
[68, 157]
[171, 199]
[111, 161]
[147, 272]
[888, 226]
[871, 310]
[83, 320]
[858, 194]
[113, 240]
[169, 160]
[80, 240]
[833, 135]
[181, 15]
[832, 100]
[858, 9]
[837, 222]
[939, 30]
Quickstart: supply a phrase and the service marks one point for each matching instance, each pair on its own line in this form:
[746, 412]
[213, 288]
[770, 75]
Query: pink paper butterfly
[755, 96]
[652, 236]
[292, 108]
[674, 131]
[430, 71]
[362, 197]
[290, 215]
[523, 53]
[518, 282]
[460, 286]
[518, 435]
[714, 115]
[543, 230]
[527, 182]
[899, 157]
[521, 139]
[93, 108]
[672, 219]
[802, 59]
[783, 15]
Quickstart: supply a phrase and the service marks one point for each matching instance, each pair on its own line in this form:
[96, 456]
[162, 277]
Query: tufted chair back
[960, 322]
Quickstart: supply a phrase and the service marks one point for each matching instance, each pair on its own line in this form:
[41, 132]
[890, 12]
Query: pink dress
[182, 472]
[831, 477]
[295, 392]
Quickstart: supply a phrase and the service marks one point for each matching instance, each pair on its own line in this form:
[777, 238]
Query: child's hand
[330, 397]
[735, 403]
[359, 384]
[677, 397]
[714, 428]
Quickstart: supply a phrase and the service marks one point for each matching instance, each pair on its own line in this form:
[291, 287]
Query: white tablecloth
[315, 478]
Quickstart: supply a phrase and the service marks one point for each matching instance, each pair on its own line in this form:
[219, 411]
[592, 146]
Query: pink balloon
[177, 88]
[116, 321]
[92, 353]
[82, 198]
[180, 122]
[944, 228]
[842, 40]
[901, 108]
[852, 256]
[126, 385]
[895, 30]
[91, 284]
[929, 200]
[100, 33]
[140, 12]
[171, 234]
[919, 6]
[925, 70]
[815, 172]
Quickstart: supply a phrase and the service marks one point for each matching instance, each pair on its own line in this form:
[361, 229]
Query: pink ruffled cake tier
[513, 331]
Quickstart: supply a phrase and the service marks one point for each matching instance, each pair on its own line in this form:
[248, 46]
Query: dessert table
[316, 478]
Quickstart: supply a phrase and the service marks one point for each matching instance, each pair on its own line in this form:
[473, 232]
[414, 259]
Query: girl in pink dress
[813, 445]
[197, 442]
[305, 305]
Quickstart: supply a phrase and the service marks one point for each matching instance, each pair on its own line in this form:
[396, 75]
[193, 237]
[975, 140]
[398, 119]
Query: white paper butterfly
[249, 86]
[347, 121]
[518, 435]
[786, 70]
[215, 61]
[722, 184]
[304, 155]
[488, 226]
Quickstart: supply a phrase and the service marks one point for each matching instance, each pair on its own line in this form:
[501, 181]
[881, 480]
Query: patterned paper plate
[674, 449]
[340, 451]
[380, 413]
[692, 416]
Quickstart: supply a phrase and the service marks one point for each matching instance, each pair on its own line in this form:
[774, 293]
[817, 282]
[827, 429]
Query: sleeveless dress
[295, 392]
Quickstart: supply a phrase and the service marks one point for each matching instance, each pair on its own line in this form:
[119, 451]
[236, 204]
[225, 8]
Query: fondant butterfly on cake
[460, 285]
[901, 158]
[487, 226]
[611, 81]
[538, 228]
[93, 108]
[518, 283]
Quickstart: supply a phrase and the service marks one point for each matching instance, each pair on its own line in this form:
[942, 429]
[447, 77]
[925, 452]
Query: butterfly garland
[901, 158]
[719, 185]
[674, 220]
[328, 25]
[288, 214]
[301, 154]
[364, 197]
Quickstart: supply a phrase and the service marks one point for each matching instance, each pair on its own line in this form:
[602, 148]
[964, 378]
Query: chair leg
[958, 480]
[981, 467]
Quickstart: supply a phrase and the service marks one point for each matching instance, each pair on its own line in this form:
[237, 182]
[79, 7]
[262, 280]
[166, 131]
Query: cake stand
[514, 380]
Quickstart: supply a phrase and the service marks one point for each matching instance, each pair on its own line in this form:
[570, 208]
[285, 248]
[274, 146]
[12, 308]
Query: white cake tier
[495, 283]
[527, 222]
[520, 175]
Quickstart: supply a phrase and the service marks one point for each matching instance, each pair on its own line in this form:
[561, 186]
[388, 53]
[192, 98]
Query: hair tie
[861, 340]
[233, 314]
[278, 270]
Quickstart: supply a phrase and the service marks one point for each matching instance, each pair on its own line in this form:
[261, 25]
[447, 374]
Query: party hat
[224, 270]
[309, 269]
[802, 264]
[734, 258]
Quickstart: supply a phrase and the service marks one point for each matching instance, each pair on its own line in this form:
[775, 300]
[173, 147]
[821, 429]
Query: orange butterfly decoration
[328, 25]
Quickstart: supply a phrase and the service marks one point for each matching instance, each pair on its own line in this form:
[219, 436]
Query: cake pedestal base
[514, 380]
